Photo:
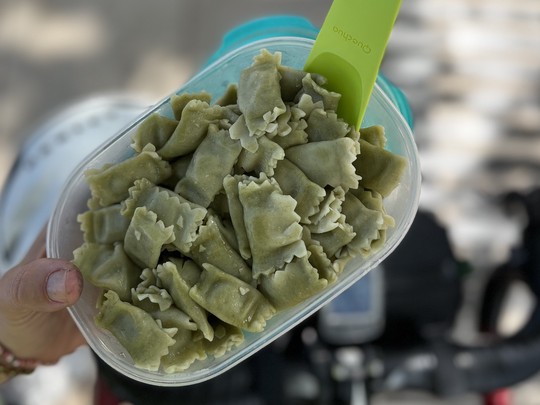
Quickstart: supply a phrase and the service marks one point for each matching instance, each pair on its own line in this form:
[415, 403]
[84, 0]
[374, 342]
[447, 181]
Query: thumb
[43, 285]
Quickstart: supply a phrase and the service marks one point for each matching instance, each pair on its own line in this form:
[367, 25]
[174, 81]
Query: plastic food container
[64, 233]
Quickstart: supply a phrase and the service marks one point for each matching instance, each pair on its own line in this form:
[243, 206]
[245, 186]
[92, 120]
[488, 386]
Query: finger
[41, 285]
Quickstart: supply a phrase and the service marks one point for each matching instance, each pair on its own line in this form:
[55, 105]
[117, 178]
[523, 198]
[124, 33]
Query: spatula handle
[349, 50]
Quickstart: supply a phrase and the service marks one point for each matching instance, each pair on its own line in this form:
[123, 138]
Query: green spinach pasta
[229, 212]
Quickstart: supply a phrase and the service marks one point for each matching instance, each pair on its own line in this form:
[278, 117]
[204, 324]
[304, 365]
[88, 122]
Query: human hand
[34, 321]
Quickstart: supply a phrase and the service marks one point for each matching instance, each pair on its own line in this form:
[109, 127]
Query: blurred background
[469, 68]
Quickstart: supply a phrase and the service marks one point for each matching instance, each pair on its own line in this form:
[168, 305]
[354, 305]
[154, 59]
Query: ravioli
[228, 213]
[231, 300]
[212, 161]
[273, 228]
[144, 339]
[110, 184]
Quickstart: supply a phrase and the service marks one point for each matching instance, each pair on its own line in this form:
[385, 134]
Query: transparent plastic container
[64, 233]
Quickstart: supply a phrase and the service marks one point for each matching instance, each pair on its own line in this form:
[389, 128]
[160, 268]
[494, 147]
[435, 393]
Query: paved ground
[470, 69]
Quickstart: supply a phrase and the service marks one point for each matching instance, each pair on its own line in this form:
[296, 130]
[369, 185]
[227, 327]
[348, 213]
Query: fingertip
[41, 285]
[64, 284]
[74, 284]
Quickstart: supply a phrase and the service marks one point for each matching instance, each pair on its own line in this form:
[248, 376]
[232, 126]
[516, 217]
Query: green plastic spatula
[349, 49]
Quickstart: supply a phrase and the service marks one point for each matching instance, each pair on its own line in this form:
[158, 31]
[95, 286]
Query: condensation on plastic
[64, 234]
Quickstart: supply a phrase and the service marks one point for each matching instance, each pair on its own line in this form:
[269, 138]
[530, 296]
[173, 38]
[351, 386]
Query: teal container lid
[296, 26]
